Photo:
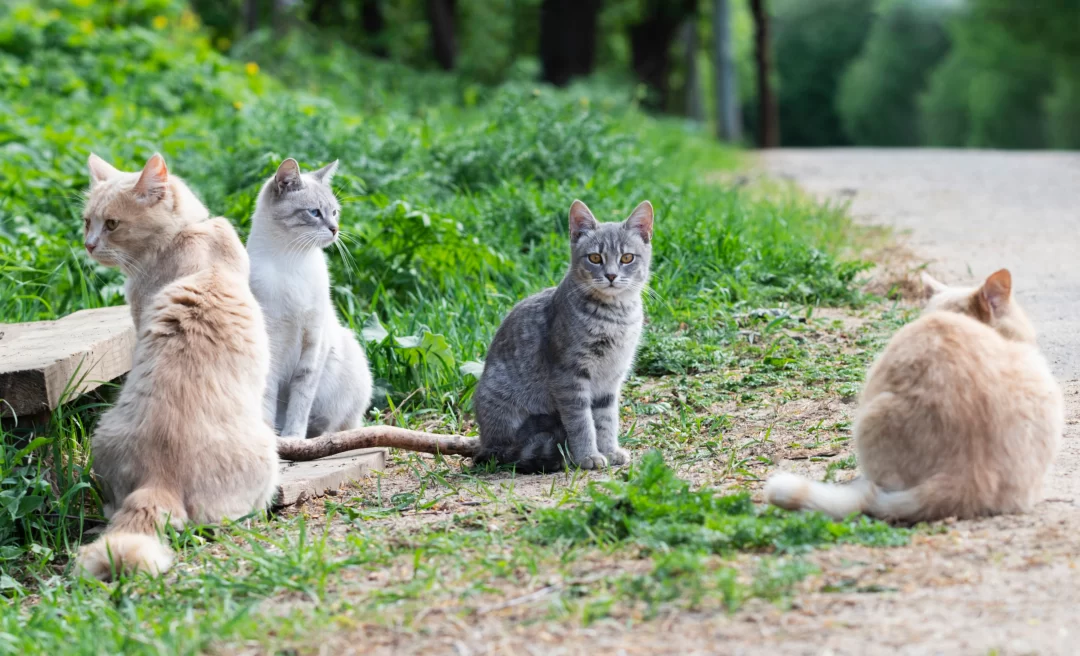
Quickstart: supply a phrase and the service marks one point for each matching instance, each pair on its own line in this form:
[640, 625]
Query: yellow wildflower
[86, 26]
[160, 22]
[238, 105]
[252, 68]
[189, 20]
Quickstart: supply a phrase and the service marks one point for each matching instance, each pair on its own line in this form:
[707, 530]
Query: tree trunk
[694, 108]
[728, 120]
[567, 39]
[373, 22]
[326, 13]
[650, 45]
[441, 20]
[768, 116]
[251, 15]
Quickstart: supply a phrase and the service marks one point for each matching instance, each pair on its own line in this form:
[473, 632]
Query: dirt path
[1006, 584]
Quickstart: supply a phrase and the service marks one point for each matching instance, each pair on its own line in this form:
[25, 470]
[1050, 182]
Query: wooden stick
[301, 450]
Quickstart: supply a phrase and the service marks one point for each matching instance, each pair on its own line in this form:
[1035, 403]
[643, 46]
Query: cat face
[302, 206]
[991, 304]
[129, 214]
[611, 259]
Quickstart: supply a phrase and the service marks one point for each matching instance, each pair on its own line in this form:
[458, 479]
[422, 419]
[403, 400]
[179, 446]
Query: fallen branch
[301, 450]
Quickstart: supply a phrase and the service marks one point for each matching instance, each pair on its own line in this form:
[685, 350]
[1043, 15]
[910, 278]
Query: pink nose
[333, 230]
[90, 247]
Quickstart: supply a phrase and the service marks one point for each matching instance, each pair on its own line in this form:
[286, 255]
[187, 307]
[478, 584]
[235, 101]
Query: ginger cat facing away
[186, 440]
[960, 417]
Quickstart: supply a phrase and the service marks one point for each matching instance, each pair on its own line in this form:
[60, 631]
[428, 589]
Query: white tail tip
[123, 553]
[787, 490]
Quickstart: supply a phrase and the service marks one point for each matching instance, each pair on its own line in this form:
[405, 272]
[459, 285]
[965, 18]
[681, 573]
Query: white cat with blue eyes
[319, 377]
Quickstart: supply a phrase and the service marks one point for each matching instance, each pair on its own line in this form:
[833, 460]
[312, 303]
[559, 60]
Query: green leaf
[374, 331]
[472, 368]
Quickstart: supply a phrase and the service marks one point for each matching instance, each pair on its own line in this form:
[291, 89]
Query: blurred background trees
[975, 73]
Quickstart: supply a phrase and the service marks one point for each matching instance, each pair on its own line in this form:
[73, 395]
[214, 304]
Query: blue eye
[315, 213]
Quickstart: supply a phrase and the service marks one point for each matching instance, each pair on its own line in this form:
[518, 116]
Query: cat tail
[131, 542]
[793, 492]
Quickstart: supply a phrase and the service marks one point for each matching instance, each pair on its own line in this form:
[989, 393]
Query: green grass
[455, 198]
[318, 578]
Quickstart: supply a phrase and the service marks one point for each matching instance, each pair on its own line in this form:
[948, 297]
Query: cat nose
[333, 230]
[90, 246]
[611, 276]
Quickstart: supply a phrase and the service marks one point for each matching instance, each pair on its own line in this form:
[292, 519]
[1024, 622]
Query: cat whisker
[346, 257]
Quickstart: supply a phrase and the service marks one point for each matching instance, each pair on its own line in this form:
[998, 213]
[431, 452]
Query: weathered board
[46, 362]
[301, 481]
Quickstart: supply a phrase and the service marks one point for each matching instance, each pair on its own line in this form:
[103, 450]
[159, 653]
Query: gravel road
[1006, 585]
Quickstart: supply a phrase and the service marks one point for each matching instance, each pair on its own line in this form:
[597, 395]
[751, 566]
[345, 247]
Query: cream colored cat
[960, 417]
[186, 440]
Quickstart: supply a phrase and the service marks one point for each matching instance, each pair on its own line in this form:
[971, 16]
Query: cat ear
[582, 221]
[154, 180]
[996, 292]
[326, 173]
[932, 285]
[100, 170]
[641, 220]
[287, 177]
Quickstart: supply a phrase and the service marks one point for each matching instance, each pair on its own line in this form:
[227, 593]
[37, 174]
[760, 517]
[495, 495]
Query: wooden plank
[301, 481]
[41, 361]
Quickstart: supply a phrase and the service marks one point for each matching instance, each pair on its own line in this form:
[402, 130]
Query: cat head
[991, 303]
[610, 259]
[300, 207]
[130, 214]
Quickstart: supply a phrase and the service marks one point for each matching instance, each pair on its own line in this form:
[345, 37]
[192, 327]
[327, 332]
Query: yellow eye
[596, 258]
[111, 224]
[627, 258]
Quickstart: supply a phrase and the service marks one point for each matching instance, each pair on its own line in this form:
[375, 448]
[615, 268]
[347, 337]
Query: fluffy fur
[554, 371]
[319, 377]
[960, 417]
[185, 440]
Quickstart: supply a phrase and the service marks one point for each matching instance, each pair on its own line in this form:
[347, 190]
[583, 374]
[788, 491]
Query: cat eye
[596, 258]
[627, 258]
[315, 213]
[111, 224]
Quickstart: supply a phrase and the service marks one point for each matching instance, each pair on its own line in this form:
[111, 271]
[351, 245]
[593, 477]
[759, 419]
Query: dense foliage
[878, 95]
[963, 73]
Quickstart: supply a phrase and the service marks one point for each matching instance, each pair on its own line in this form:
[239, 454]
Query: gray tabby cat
[319, 378]
[553, 373]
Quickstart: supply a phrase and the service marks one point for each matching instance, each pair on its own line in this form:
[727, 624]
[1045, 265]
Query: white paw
[592, 461]
[618, 457]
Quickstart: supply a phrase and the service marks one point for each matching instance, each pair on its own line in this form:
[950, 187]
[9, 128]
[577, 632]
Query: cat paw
[592, 461]
[618, 457]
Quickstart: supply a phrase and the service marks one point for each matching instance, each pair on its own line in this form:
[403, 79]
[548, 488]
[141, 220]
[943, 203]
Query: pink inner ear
[581, 219]
[100, 170]
[997, 289]
[155, 176]
[641, 219]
